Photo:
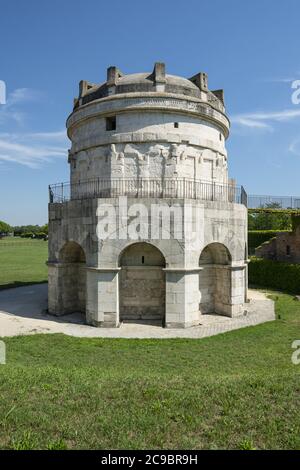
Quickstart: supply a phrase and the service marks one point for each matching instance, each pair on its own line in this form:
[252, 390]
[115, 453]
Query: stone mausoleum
[148, 146]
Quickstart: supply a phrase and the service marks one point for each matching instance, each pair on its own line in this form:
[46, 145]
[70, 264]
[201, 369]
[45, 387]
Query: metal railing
[180, 188]
[273, 202]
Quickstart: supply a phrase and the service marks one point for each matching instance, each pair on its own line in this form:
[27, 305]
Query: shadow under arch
[72, 274]
[215, 279]
[142, 284]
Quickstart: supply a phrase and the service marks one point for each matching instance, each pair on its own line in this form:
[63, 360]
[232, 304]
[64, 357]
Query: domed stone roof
[145, 82]
[158, 81]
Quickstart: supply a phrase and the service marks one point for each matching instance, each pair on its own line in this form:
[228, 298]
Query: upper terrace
[179, 188]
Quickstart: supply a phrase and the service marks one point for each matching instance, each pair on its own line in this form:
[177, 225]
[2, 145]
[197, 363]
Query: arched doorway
[215, 279]
[142, 284]
[73, 277]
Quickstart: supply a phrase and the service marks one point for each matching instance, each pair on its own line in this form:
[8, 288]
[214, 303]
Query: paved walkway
[23, 312]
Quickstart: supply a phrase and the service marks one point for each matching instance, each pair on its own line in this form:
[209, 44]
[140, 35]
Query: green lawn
[22, 261]
[236, 390]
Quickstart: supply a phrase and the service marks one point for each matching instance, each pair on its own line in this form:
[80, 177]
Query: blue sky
[251, 49]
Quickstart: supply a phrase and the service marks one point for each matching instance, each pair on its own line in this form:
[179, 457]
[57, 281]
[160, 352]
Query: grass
[22, 262]
[237, 390]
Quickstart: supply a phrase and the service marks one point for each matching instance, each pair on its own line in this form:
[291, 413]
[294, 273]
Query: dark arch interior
[72, 275]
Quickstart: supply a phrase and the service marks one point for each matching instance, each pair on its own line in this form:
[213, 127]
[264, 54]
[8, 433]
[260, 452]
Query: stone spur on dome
[156, 140]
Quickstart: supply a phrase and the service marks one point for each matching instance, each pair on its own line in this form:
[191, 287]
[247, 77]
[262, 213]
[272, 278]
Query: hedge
[39, 235]
[274, 274]
[257, 237]
[27, 235]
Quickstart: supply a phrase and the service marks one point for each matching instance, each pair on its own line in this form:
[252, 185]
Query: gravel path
[23, 312]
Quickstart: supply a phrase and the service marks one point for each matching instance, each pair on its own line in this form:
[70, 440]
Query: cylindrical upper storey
[148, 125]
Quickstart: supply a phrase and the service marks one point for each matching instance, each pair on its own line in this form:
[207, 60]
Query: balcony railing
[180, 188]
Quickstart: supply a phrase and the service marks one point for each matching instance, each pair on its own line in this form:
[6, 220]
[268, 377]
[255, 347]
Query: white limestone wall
[223, 223]
[149, 160]
[154, 138]
[182, 298]
[238, 290]
[150, 126]
[102, 307]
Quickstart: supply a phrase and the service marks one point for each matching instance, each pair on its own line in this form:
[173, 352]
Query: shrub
[40, 235]
[19, 230]
[27, 235]
[274, 274]
[257, 237]
[270, 216]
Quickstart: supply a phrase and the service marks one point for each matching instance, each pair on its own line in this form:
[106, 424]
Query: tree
[270, 220]
[4, 227]
[19, 230]
[44, 228]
